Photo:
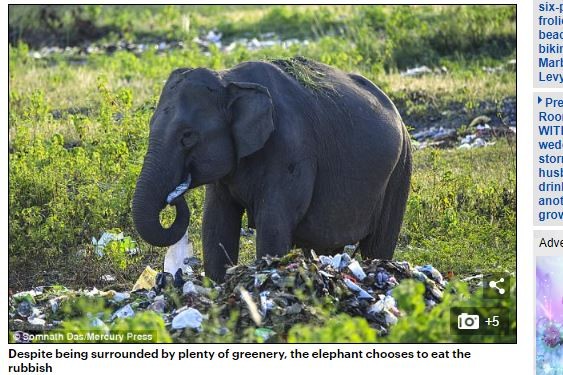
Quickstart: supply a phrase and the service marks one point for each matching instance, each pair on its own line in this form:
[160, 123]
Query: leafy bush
[88, 327]
[417, 323]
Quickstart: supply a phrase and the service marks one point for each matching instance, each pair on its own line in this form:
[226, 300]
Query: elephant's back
[351, 131]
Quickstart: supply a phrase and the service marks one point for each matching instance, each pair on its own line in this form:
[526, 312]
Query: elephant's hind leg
[381, 242]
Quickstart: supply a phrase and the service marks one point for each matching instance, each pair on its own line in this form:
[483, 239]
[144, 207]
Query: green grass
[398, 36]
[461, 213]
[78, 126]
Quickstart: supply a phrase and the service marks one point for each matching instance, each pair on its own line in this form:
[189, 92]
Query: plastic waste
[432, 272]
[338, 261]
[107, 278]
[106, 238]
[25, 296]
[120, 296]
[176, 256]
[261, 295]
[357, 270]
[98, 323]
[189, 288]
[163, 280]
[189, 318]
[158, 306]
[417, 71]
[146, 280]
[54, 304]
[354, 287]
[180, 190]
[124, 312]
[36, 321]
[266, 303]
[24, 309]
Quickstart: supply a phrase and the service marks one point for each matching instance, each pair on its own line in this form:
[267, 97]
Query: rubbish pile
[204, 42]
[269, 296]
[419, 71]
[481, 135]
[77, 54]
[265, 40]
[423, 70]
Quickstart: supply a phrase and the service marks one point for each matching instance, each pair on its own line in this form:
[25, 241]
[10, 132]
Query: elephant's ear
[251, 107]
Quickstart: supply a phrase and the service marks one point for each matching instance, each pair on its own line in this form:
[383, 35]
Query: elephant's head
[201, 129]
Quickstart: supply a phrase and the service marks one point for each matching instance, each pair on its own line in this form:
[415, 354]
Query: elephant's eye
[189, 139]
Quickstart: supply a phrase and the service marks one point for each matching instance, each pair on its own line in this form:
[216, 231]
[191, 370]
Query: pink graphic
[549, 315]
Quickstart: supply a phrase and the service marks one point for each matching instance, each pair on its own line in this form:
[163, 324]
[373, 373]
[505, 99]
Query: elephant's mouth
[179, 190]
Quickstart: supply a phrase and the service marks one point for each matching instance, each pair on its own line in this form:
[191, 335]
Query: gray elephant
[316, 157]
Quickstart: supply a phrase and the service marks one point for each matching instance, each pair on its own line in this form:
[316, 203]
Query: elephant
[317, 158]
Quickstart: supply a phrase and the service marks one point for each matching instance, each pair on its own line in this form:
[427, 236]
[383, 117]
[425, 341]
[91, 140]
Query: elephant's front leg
[280, 210]
[274, 232]
[221, 231]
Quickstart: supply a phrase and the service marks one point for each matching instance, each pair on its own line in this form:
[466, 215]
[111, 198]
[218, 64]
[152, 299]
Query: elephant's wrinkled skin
[314, 166]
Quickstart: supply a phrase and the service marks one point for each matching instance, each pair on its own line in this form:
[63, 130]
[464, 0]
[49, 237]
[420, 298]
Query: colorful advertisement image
[549, 315]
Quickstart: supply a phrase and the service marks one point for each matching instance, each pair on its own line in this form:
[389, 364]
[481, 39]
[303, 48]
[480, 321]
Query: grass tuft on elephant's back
[307, 72]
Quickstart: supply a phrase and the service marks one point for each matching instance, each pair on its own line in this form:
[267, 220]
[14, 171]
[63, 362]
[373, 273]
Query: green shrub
[87, 325]
[417, 324]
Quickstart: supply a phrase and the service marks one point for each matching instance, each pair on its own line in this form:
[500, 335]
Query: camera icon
[467, 321]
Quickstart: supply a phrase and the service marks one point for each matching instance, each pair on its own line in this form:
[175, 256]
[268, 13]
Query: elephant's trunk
[149, 200]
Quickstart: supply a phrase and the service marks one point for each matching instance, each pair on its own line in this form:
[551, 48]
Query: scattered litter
[493, 69]
[266, 40]
[106, 238]
[120, 296]
[124, 312]
[266, 303]
[107, 278]
[433, 273]
[55, 303]
[126, 243]
[146, 280]
[436, 134]
[385, 307]
[77, 55]
[24, 309]
[178, 255]
[28, 295]
[354, 287]
[164, 279]
[97, 323]
[158, 306]
[189, 288]
[267, 297]
[36, 321]
[482, 135]
[189, 318]
[357, 270]
[338, 261]
[479, 276]
[417, 72]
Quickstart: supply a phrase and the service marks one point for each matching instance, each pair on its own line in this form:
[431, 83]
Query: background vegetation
[78, 122]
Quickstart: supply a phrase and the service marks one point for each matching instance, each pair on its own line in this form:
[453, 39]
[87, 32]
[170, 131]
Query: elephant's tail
[381, 243]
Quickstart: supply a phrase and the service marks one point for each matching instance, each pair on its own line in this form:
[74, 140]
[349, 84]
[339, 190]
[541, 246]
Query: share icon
[494, 284]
